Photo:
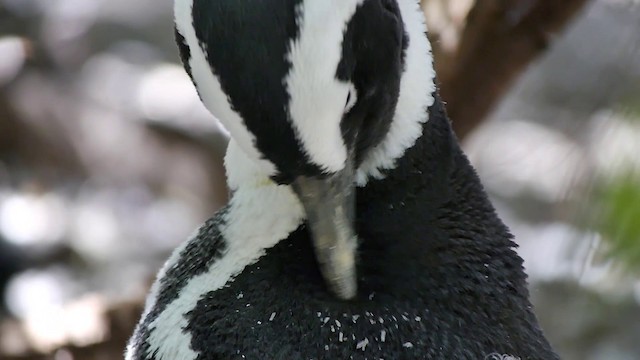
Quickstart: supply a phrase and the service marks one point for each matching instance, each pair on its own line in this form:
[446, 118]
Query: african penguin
[356, 229]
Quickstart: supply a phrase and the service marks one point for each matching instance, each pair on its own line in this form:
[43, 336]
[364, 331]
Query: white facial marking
[260, 214]
[210, 89]
[317, 98]
[416, 96]
[352, 98]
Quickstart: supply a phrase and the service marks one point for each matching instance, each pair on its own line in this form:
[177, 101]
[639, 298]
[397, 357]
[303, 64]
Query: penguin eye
[351, 100]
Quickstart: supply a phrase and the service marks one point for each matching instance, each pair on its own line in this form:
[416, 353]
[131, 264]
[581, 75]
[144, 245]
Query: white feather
[152, 298]
[260, 214]
[317, 97]
[416, 95]
[210, 89]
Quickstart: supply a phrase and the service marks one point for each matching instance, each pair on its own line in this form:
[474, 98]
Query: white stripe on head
[210, 89]
[417, 86]
[260, 215]
[318, 99]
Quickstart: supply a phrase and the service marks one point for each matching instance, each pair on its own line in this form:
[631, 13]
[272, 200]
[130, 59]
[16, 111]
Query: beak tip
[340, 272]
[345, 289]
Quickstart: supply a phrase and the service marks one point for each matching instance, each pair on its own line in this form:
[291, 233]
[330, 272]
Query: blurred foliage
[630, 105]
[620, 218]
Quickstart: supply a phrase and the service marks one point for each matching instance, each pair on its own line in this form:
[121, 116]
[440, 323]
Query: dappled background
[108, 161]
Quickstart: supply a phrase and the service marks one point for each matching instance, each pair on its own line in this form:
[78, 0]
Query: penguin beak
[330, 207]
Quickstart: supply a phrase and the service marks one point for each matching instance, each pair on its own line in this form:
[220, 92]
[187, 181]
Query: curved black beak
[330, 207]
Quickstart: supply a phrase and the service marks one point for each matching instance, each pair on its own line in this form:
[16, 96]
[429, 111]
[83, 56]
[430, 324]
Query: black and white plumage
[321, 90]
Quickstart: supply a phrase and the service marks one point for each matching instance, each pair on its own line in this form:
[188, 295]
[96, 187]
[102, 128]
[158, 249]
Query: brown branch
[501, 38]
[24, 145]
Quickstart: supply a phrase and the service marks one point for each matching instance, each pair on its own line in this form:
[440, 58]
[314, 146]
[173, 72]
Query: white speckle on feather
[273, 316]
[362, 344]
[496, 356]
[248, 305]
[240, 296]
[338, 324]
[408, 345]
[405, 318]
[259, 322]
[418, 318]
[340, 336]
[326, 347]
[372, 295]
[380, 320]
[325, 320]
[355, 318]
[333, 328]
[319, 314]
[383, 335]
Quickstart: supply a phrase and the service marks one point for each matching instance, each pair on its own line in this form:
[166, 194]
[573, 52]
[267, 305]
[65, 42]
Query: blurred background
[108, 160]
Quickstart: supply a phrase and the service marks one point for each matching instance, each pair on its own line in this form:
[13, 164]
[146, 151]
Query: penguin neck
[424, 225]
[429, 223]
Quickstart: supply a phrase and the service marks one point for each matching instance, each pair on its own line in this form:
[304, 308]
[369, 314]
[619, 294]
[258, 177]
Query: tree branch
[500, 40]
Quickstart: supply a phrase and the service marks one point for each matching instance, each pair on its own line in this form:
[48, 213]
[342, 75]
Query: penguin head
[314, 83]
[307, 90]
